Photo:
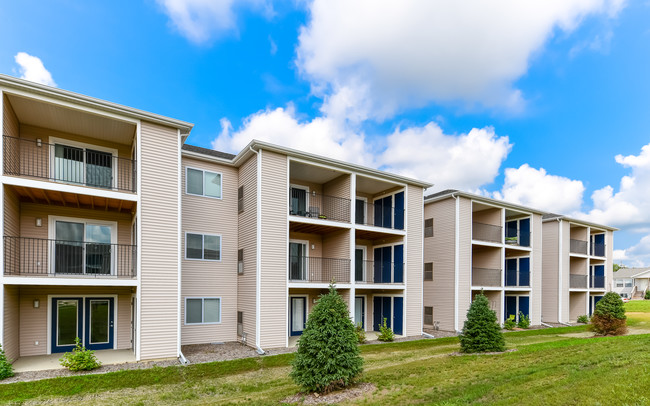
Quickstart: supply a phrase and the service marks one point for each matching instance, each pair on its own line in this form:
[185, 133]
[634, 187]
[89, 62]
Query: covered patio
[51, 361]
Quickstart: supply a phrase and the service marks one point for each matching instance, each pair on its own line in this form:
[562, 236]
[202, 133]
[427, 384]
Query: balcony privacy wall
[10, 125]
[465, 259]
[247, 222]
[577, 305]
[414, 260]
[536, 270]
[550, 258]
[211, 278]
[11, 336]
[159, 224]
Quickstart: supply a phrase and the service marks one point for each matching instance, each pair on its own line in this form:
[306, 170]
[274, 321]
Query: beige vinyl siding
[440, 249]
[160, 236]
[609, 261]
[487, 216]
[273, 266]
[577, 305]
[487, 257]
[338, 187]
[11, 333]
[465, 260]
[205, 215]
[564, 293]
[12, 212]
[414, 261]
[247, 224]
[34, 322]
[311, 239]
[11, 128]
[337, 244]
[550, 272]
[536, 269]
[312, 296]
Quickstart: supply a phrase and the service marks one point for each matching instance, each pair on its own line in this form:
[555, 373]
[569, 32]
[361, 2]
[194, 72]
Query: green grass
[638, 306]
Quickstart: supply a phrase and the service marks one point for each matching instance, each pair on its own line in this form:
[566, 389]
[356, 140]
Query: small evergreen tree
[328, 356]
[609, 316]
[481, 332]
[6, 369]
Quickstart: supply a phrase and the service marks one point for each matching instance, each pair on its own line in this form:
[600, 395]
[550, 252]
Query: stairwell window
[206, 247]
[202, 310]
[202, 183]
[428, 316]
[240, 199]
[428, 271]
[428, 228]
[240, 261]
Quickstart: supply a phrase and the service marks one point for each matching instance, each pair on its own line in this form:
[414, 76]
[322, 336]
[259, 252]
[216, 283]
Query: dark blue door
[524, 305]
[511, 306]
[385, 310]
[511, 272]
[67, 323]
[376, 313]
[599, 245]
[398, 315]
[360, 211]
[379, 212]
[596, 300]
[387, 210]
[524, 232]
[511, 229]
[399, 211]
[377, 265]
[599, 276]
[382, 265]
[99, 323]
[524, 271]
[398, 260]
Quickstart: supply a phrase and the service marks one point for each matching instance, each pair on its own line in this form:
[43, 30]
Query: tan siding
[11, 128]
[414, 261]
[488, 216]
[11, 337]
[33, 322]
[339, 187]
[609, 261]
[577, 305]
[247, 221]
[211, 278]
[550, 272]
[465, 260]
[536, 269]
[337, 244]
[12, 212]
[159, 225]
[564, 293]
[312, 239]
[273, 294]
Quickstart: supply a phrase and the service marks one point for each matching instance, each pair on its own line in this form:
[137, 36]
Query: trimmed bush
[647, 295]
[385, 333]
[481, 331]
[510, 323]
[609, 316]
[584, 319]
[361, 333]
[80, 359]
[524, 321]
[6, 369]
[328, 356]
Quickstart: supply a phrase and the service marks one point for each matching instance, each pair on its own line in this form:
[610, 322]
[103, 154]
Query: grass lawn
[638, 306]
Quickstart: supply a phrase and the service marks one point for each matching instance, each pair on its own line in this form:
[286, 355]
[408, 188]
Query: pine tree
[609, 316]
[328, 356]
[481, 332]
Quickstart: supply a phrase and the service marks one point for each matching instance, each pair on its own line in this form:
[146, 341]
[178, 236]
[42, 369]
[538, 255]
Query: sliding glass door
[83, 248]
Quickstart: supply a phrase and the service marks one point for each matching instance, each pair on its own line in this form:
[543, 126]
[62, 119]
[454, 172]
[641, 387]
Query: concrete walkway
[43, 362]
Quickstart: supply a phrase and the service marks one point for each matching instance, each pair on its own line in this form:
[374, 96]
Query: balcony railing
[517, 278]
[42, 257]
[520, 240]
[597, 282]
[73, 165]
[486, 277]
[317, 206]
[379, 272]
[578, 246]
[314, 269]
[486, 232]
[578, 281]
[598, 249]
[378, 215]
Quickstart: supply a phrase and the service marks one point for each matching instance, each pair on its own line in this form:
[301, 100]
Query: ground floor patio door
[99, 323]
[91, 319]
[298, 315]
[67, 323]
[391, 309]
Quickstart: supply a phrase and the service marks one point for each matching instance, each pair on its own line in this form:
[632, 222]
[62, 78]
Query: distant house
[631, 283]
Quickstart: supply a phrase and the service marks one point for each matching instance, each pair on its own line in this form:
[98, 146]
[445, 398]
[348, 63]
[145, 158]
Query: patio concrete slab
[51, 361]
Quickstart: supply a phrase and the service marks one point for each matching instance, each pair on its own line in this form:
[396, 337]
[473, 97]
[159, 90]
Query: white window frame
[301, 187]
[307, 245]
[203, 246]
[203, 171]
[363, 263]
[365, 211]
[84, 146]
[203, 298]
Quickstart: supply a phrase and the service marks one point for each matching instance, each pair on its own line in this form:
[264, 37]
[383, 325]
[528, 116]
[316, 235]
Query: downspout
[426, 335]
[456, 261]
[182, 358]
[258, 253]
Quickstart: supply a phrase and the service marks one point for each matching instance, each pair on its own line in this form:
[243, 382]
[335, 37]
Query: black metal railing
[598, 249]
[42, 257]
[314, 269]
[578, 281]
[597, 281]
[578, 246]
[486, 277]
[314, 205]
[379, 272]
[521, 239]
[63, 163]
[486, 232]
[378, 215]
[517, 278]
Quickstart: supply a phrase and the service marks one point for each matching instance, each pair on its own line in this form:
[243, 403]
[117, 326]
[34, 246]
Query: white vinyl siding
[202, 310]
[203, 183]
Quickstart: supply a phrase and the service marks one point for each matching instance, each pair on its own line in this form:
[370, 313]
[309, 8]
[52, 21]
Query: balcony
[486, 277]
[578, 281]
[379, 215]
[598, 249]
[519, 279]
[578, 247]
[318, 270]
[486, 232]
[519, 239]
[67, 164]
[597, 282]
[317, 206]
[379, 272]
[42, 257]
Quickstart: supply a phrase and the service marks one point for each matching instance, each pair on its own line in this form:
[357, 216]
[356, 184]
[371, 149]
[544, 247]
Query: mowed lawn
[550, 366]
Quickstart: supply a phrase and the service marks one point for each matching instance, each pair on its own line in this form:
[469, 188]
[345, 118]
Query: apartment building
[473, 244]
[119, 234]
[577, 267]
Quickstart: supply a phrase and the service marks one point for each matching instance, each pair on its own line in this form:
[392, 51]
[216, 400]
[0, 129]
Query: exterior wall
[487, 257]
[440, 249]
[205, 215]
[564, 274]
[11, 334]
[312, 239]
[247, 240]
[274, 250]
[159, 310]
[550, 271]
[339, 187]
[11, 212]
[487, 216]
[34, 322]
[536, 269]
[11, 128]
[577, 305]
[414, 261]
[337, 244]
[465, 260]
[609, 261]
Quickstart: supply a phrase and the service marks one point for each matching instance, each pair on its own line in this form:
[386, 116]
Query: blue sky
[539, 103]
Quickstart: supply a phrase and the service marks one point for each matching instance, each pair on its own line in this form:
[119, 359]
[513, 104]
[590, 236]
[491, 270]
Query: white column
[353, 195]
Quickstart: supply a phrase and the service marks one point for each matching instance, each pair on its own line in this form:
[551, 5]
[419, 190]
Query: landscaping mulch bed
[353, 392]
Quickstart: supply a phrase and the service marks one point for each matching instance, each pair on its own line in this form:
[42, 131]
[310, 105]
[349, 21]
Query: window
[428, 271]
[240, 199]
[628, 283]
[240, 323]
[428, 316]
[203, 246]
[240, 261]
[203, 310]
[619, 283]
[428, 228]
[203, 183]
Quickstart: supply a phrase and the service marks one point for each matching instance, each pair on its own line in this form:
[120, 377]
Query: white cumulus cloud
[31, 68]
[394, 55]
